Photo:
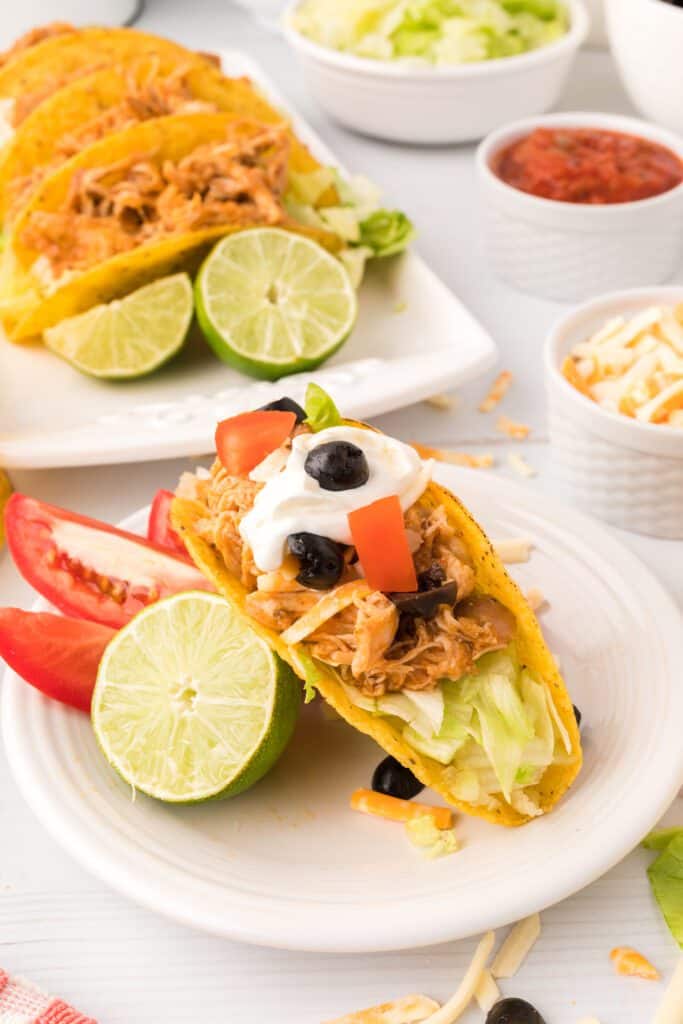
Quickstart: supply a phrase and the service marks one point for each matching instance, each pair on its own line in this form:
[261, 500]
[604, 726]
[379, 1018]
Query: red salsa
[585, 165]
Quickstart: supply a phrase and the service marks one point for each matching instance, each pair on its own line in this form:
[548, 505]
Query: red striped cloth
[23, 1003]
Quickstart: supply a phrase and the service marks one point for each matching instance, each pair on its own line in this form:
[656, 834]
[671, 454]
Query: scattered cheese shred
[631, 964]
[516, 947]
[484, 461]
[513, 550]
[536, 598]
[633, 366]
[458, 1003]
[409, 1010]
[669, 1010]
[328, 606]
[368, 802]
[487, 992]
[520, 466]
[501, 386]
[444, 403]
[5, 493]
[517, 431]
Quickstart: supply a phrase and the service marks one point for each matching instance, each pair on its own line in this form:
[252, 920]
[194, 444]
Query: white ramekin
[570, 251]
[423, 105]
[646, 37]
[625, 472]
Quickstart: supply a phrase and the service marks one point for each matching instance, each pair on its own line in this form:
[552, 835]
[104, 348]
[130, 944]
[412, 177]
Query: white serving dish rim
[655, 438]
[573, 38]
[577, 215]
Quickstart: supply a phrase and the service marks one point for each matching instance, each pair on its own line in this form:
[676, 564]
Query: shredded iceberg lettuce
[495, 730]
[440, 32]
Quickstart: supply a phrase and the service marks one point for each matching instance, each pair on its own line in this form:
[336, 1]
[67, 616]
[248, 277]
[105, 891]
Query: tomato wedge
[243, 441]
[159, 529]
[58, 656]
[90, 570]
[379, 537]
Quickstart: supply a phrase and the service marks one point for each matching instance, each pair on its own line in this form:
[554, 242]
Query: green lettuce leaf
[386, 232]
[666, 879]
[321, 412]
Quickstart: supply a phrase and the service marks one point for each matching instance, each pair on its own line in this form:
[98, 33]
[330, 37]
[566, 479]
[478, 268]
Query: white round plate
[289, 865]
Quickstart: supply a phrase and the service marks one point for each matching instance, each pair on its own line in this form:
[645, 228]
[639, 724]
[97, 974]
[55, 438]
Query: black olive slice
[321, 560]
[513, 1011]
[425, 604]
[394, 779]
[285, 405]
[337, 466]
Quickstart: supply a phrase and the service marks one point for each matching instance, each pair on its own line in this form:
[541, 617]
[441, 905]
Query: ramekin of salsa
[588, 165]
[579, 204]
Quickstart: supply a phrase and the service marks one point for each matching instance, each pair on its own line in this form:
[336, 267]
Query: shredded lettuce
[495, 730]
[321, 412]
[386, 232]
[434, 842]
[666, 878]
[440, 32]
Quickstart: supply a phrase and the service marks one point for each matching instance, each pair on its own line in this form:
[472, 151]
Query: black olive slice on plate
[425, 604]
[338, 466]
[321, 560]
[577, 715]
[394, 779]
[285, 405]
[513, 1011]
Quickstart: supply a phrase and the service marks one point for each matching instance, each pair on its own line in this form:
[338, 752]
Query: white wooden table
[122, 964]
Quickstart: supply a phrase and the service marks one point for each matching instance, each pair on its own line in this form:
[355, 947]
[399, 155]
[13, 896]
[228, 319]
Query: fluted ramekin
[628, 473]
[574, 251]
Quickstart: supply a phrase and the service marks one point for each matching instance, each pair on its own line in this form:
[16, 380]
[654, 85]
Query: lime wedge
[272, 303]
[190, 704]
[127, 337]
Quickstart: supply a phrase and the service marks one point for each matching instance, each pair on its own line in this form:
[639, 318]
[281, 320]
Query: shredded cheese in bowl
[634, 366]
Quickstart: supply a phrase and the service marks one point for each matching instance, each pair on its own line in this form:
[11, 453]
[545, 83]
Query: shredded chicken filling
[154, 95]
[375, 648]
[239, 181]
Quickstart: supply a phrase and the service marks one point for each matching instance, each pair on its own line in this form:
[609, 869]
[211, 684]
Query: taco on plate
[144, 202]
[51, 58]
[114, 98]
[380, 590]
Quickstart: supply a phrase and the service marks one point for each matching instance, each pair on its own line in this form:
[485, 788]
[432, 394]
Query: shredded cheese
[444, 403]
[634, 366]
[501, 386]
[484, 461]
[517, 431]
[670, 1010]
[536, 598]
[409, 1010]
[367, 801]
[487, 992]
[458, 1003]
[630, 963]
[516, 947]
[513, 550]
[520, 466]
[328, 606]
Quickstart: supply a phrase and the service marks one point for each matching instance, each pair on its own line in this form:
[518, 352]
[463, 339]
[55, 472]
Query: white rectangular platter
[413, 338]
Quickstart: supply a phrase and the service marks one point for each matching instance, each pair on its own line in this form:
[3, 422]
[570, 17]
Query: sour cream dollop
[293, 502]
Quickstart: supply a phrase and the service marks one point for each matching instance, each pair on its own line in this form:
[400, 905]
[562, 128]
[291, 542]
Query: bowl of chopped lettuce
[435, 71]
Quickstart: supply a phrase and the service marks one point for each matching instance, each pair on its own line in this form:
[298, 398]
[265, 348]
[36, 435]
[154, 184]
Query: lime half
[272, 303]
[190, 704]
[128, 337]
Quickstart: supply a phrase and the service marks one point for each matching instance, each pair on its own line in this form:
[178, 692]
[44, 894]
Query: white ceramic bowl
[570, 251]
[625, 472]
[646, 37]
[427, 105]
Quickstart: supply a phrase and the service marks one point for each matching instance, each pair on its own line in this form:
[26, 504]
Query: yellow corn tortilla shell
[28, 307]
[491, 579]
[62, 56]
[82, 101]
